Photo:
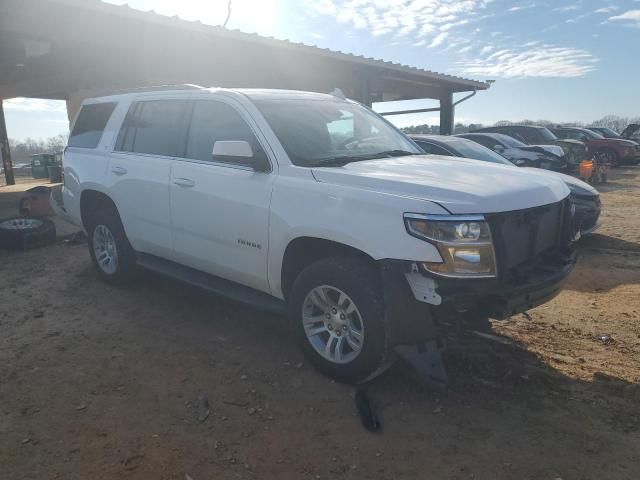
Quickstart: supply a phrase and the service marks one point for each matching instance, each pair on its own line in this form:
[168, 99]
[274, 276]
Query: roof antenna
[224, 25]
[338, 93]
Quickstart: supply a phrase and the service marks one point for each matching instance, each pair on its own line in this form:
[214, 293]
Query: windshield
[475, 151]
[548, 135]
[315, 131]
[607, 132]
[510, 141]
[590, 134]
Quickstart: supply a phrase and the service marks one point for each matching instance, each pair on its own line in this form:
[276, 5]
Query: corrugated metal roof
[220, 31]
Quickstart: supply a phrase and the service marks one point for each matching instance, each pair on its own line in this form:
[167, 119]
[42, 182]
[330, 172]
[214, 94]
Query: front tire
[337, 313]
[111, 254]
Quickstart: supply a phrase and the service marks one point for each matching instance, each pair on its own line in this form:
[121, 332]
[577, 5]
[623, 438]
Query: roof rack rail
[159, 88]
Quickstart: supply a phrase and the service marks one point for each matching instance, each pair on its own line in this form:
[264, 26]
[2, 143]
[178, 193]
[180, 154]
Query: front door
[220, 209]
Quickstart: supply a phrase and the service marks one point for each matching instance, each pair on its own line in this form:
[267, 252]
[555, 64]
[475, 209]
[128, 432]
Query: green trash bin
[54, 165]
[40, 163]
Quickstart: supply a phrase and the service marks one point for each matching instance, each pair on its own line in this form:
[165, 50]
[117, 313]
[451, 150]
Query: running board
[211, 283]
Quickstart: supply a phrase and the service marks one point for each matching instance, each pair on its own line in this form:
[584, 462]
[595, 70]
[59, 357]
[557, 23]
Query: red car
[616, 151]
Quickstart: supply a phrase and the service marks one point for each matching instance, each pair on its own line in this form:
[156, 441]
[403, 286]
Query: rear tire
[110, 251]
[335, 305]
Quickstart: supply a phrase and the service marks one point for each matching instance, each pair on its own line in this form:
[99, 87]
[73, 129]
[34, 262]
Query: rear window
[90, 124]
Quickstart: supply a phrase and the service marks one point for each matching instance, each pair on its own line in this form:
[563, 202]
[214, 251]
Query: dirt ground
[102, 382]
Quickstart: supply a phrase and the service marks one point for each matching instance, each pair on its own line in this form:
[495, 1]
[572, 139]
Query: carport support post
[5, 151]
[446, 113]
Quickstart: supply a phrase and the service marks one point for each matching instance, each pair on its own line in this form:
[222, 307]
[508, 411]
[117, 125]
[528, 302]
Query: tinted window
[212, 121]
[154, 127]
[526, 135]
[486, 141]
[579, 134]
[469, 149]
[90, 125]
[547, 135]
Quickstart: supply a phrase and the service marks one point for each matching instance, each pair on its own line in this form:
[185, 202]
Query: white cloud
[631, 17]
[609, 9]
[517, 8]
[421, 19]
[438, 39]
[486, 49]
[459, 27]
[567, 8]
[21, 104]
[537, 61]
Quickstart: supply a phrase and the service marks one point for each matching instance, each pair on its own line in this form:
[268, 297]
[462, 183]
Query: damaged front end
[534, 256]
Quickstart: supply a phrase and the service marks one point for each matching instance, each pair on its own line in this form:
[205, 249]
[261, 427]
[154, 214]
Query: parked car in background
[632, 132]
[548, 157]
[616, 151]
[605, 132]
[313, 205]
[584, 196]
[575, 150]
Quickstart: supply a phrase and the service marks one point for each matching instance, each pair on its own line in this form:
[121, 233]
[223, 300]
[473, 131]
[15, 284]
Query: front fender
[371, 222]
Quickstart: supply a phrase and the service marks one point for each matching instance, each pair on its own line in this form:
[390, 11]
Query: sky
[573, 60]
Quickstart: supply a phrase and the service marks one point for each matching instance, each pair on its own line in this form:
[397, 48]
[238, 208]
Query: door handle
[119, 170]
[184, 182]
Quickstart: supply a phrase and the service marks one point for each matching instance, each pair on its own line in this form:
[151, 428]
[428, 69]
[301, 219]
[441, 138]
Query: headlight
[464, 243]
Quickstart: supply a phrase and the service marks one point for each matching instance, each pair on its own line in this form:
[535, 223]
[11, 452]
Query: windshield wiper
[345, 159]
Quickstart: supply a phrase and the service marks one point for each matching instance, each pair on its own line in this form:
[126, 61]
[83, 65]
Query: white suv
[314, 205]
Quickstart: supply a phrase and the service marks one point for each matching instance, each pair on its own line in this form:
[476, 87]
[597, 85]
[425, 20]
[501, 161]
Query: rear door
[151, 136]
[220, 207]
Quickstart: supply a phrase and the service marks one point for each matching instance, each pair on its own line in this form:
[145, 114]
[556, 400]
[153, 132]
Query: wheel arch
[94, 200]
[304, 250]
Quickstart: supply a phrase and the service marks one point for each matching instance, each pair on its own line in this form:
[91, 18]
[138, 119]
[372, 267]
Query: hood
[457, 184]
[630, 130]
[575, 185]
[570, 141]
[621, 142]
[552, 149]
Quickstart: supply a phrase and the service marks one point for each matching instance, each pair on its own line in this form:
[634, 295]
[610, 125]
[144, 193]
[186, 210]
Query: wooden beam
[5, 151]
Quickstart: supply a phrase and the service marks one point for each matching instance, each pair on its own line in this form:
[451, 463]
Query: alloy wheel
[333, 324]
[105, 250]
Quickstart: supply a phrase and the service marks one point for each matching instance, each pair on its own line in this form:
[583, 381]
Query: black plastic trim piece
[211, 283]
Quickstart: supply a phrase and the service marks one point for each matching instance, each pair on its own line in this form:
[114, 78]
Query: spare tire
[19, 232]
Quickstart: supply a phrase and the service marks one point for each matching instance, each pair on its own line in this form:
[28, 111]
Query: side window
[154, 127]
[212, 121]
[486, 141]
[425, 147]
[572, 134]
[90, 124]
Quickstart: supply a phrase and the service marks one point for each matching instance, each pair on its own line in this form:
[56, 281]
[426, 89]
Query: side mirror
[498, 148]
[239, 151]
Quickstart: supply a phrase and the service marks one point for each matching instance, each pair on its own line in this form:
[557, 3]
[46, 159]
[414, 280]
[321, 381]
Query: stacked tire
[21, 233]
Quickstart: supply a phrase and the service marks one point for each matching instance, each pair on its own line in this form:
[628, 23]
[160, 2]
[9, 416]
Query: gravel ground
[103, 382]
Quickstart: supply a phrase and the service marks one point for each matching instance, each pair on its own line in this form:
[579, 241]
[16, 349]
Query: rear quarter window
[90, 124]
